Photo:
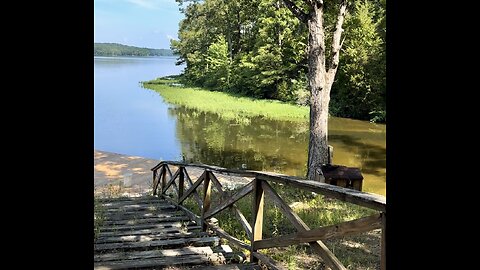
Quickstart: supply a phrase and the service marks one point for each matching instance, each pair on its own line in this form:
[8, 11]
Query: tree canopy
[258, 48]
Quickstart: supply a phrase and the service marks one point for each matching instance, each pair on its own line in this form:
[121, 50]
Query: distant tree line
[258, 48]
[115, 49]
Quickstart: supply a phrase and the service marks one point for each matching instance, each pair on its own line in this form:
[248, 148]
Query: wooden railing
[258, 187]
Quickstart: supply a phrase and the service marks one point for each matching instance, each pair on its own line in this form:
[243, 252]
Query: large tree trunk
[320, 93]
[320, 79]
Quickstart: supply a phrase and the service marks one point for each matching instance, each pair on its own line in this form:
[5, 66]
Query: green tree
[260, 49]
[218, 65]
[361, 89]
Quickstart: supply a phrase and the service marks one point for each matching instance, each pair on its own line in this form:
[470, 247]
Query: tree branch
[302, 16]
[318, 2]
[337, 44]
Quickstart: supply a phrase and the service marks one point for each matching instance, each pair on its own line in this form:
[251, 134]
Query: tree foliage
[360, 89]
[258, 48]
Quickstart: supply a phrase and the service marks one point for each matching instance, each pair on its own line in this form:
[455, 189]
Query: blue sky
[142, 23]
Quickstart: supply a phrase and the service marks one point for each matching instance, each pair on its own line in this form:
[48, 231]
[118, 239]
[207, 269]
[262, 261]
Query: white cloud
[169, 37]
[151, 4]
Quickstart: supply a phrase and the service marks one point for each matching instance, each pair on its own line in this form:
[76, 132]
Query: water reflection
[279, 146]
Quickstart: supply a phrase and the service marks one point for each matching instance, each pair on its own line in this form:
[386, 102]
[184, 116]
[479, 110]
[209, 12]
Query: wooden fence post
[383, 263]
[207, 190]
[153, 182]
[330, 154]
[181, 183]
[257, 215]
[163, 178]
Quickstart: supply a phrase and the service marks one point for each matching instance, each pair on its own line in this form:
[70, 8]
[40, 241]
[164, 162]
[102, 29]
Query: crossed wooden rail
[258, 187]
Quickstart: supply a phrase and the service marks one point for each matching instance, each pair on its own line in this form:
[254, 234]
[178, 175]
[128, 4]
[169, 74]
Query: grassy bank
[226, 105]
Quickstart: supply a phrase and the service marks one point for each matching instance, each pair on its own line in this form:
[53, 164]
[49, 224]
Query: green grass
[107, 192]
[355, 252]
[98, 217]
[227, 106]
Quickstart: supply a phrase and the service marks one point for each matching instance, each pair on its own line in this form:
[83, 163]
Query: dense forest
[115, 49]
[258, 48]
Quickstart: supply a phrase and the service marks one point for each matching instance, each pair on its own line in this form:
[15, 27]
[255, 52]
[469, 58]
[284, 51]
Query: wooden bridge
[176, 227]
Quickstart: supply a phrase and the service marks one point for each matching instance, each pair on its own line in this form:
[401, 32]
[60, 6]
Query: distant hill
[115, 49]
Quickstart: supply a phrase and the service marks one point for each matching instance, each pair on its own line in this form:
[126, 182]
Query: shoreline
[126, 175]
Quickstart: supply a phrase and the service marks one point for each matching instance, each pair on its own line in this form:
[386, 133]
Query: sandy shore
[117, 174]
[115, 171]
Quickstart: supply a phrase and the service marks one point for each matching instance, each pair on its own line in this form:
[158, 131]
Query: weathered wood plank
[157, 182]
[216, 183]
[185, 210]
[163, 179]
[126, 206]
[195, 193]
[151, 208]
[257, 215]
[147, 226]
[165, 261]
[134, 215]
[269, 262]
[181, 182]
[172, 179]
[143, 214]
[117, 256]
[199, 241]
[144, 221]
[192, 188]
[364, 224]
[169, 171]
[207, 193]
[149, 231]
[243, 221]
[240, 217]
[126, 201]
[245, 190]
[233, 240]
[126, 198]
[285, 208]
[150, 237]
[318, 246]
[176, 188]
[130, 205]
[369, 200]
[221, 170]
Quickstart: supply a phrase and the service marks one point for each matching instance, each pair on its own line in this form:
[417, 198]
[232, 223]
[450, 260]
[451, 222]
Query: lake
[132, 120]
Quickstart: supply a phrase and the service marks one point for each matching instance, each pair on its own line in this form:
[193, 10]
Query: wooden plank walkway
[150, 233]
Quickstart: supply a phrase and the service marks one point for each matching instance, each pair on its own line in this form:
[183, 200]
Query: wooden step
[181, 242]
[126, 204]
[135, 215]
[129, 199]
[139, 208]
[147, 232]
[164, 261]
[189, 228]
[178, 224]
[117, 256]
[243, 266]
[144, 221]
[150, 237]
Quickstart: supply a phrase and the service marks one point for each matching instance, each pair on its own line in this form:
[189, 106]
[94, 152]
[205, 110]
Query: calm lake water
[129, 119]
